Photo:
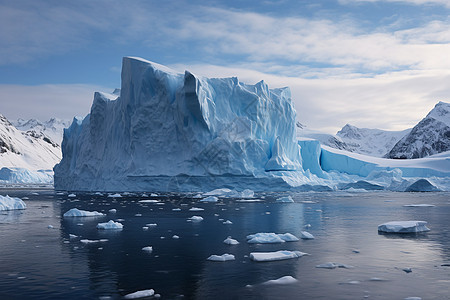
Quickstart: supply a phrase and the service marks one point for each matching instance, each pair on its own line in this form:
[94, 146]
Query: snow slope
[26, 157]
[430, 136]
[373, 142]
[171, 131]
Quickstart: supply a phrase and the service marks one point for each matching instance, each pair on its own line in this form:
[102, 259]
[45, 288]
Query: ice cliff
[172, 131]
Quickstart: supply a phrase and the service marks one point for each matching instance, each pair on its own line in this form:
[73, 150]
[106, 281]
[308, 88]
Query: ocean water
[38, 262]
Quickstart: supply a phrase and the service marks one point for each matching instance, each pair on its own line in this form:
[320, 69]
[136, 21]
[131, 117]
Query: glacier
[173, 132]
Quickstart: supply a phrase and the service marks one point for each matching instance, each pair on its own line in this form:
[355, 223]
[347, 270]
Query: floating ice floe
[176, 209]
[175, 237]
[285, 199]
[270, 238]
[154, 195]
[403, 227]
[413, 298]
[147, 249]
[111, 225]
[71, 195]
[223, 257]
[332, 265]
[196, 209]
[148, 201]
[86, 241]
[115, 196]
[210, 199]
[281, 280]
[228, 222]
[198, 196]
[113, 210]
[230, 241]
[72, 236]
[140, 294]
[11, 203]
[151, 225]
[305, 235]
[419, 205]
[274, 256]
[75, 212]
[195, 219]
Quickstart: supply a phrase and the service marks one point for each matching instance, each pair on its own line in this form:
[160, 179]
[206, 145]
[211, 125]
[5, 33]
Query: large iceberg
[179, 132]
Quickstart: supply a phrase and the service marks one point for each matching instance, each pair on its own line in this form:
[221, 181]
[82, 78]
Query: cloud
[414, 2]
[46, 101]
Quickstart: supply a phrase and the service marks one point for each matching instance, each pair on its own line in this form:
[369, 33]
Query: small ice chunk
[86, 241]
[50, 226]
[407, 270]
[247, 193]
[285, 199]
[149, 201]
[115, 196]
[306, 235]
[176, 237]
[270, 238]
[71, 195]
[72, 236]
[148, 249]
[281, 280]
[11, 203]
[419, 205]
[196, 209]
[230, 241]
[210, 199]
[140, 294]
[176, 209]
[75, 212]
[198, 196]
[403, 226]
[332, 265]
[138, 215]
[413, 298]
[196, 219]
[223, 257]
[111, 225]
[113, 210]
[151, 225]
[277, 255]
[154, 195]
[227, 222]
[144, 227]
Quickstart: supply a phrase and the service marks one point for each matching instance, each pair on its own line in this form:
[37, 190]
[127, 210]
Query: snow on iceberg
[270, 238]
[274, 256]
[11, 203]
[216, 132]
[223, 257]
[403, 227]
[111, 225]
[75, 212]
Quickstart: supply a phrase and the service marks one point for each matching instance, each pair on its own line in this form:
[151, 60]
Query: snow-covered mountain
[430, 136]
[29, 156]
[52, 128]
[326, 139]
[372, 142]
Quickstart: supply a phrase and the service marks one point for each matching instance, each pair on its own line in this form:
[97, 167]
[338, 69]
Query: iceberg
[215, 132]
[111, 225]
[75, 212]
[305, 235]
[230, 241]
[223, 257]
[403, 227]
[274, 256]
[11, 203]
[270, 238]
[281, 280]
[140, 294]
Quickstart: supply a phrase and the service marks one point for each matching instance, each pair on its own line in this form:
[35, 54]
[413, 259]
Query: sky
[370, 63]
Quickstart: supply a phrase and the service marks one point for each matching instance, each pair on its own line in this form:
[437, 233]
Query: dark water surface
[37, 262]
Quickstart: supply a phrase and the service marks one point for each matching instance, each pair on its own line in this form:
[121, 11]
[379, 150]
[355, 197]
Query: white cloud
[414, 2]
